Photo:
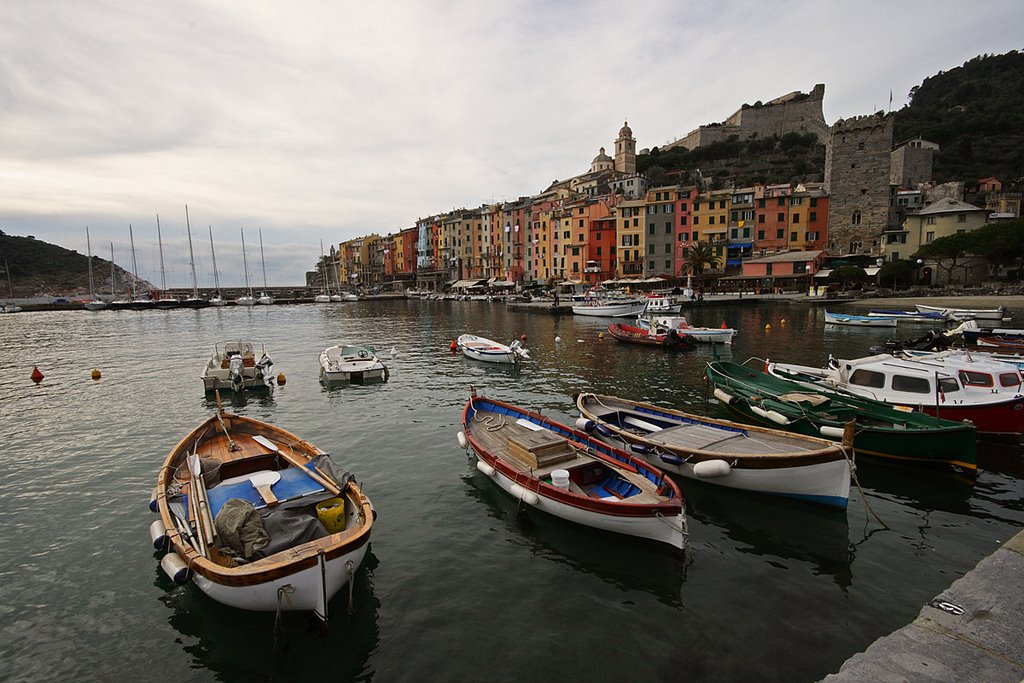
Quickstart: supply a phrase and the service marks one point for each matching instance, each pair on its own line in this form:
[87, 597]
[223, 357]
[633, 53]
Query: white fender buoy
[758, 410]
[584, 425]
[710, 469]
[557, 339]
[175, 568]
[777, 417]
[485, 468]
[722, 396]
[152, 499]
[461, 436]
[158, 534]
[525, 495]
[831, 432]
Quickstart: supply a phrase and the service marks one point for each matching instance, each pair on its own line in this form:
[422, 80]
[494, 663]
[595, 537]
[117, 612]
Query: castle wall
[857, 170]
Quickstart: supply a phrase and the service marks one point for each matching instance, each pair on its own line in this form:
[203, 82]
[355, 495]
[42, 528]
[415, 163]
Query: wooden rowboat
[723, 452]
[569, 474]
[858, 320]
[258, 518]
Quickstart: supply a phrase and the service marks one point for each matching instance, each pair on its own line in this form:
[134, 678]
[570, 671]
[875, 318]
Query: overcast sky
[315, 120]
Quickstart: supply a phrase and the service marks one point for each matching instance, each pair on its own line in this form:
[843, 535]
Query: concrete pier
[972, 631]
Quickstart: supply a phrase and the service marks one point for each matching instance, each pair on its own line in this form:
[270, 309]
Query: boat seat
[292, 485]
[799, 397]
[642, 424]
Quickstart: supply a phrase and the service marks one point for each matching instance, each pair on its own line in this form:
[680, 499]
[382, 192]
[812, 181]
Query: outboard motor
[235, 370]
[263, 368]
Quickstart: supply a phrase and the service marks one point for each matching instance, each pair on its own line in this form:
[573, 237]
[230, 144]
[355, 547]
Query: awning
[734, 262]
[502, 283]
[467, 284]
[745, 243]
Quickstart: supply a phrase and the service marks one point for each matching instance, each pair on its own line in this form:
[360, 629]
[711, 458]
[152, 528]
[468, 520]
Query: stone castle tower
[857, 169]
[625, 151]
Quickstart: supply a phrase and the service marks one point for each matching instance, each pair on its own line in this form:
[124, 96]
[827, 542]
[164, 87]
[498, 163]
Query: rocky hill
[38, 268]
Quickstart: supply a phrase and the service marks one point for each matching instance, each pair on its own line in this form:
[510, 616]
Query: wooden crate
[539, 449]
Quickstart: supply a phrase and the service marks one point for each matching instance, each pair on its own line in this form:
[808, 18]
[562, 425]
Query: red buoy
[723, 325]
[453, 347]
[37, 376]
[522, 338]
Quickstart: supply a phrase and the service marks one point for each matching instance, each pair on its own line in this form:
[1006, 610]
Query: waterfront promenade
[972, 631]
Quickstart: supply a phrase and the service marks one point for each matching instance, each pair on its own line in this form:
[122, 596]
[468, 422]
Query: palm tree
[700, 257]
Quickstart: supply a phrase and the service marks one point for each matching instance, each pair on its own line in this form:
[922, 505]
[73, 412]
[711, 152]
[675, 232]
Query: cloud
[332, 120]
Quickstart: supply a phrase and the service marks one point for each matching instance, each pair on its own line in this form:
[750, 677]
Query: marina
[86, 597]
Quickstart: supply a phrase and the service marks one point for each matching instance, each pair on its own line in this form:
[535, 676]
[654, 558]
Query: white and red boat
[571, 475]
[951, 386]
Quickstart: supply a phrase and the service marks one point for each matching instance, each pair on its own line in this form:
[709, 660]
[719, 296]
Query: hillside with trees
[976, 114]
[38, 268]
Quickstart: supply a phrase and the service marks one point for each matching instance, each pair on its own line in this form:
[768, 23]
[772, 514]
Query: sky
[326, 120]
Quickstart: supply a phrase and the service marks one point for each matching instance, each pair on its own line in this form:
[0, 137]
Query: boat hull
[624, 310]
[664, 522]
[478, 348]
[859, 320]
[965, 313]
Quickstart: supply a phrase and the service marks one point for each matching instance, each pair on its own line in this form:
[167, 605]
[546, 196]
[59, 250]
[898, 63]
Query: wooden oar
[262, 483]
[315, 473]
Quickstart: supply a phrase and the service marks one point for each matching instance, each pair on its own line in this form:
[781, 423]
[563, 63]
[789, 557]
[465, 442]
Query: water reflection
[627, 563]
[240, 644]
[773, 527]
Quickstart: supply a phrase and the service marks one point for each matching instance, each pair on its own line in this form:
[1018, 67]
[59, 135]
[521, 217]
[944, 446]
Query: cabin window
[948, 385]
[972, 378]
[867, 378]
[911, 385]
[1009, 379]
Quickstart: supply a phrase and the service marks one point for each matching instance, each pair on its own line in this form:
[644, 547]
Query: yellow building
[710, 221]
[629, 236]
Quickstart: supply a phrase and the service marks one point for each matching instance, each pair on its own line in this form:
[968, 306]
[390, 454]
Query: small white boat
[351, 363]
[965, 313]
[258, 518]
[908, 316]
[489, 351]
[234, 366]
[322, 299]
[610, 308]
[571, 475]
[662, 305]
[705, 335]
[264, 299]
[349, 296]
[858, 320]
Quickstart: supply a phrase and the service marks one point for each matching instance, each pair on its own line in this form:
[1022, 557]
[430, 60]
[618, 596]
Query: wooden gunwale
[491, 446]
[213, 443]
[819, 451]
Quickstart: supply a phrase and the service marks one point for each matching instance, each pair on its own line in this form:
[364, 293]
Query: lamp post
[917, 272]
[879, 262]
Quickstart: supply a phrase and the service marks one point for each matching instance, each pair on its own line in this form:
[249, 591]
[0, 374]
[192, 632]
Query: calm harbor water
[456, 586]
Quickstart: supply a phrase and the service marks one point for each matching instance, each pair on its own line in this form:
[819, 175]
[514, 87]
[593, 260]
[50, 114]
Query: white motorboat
[351, 363]
[662, 305]
[234, 366]
[609, 308]
[965, 313]
[950, 386]
[705, 335]
[479, 348]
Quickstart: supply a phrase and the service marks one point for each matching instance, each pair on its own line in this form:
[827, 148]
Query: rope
[864, 497]
[350, 570]
[284, 592]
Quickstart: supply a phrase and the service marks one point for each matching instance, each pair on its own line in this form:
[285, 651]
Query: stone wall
[857, 169]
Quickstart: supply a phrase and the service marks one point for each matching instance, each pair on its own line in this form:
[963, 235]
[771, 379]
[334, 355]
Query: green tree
[1001, 243]
[848, 276]
[948, 251]
[897, 274]
[699, 258]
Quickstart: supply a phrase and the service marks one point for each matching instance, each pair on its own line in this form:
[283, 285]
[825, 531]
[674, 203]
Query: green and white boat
[878, 429]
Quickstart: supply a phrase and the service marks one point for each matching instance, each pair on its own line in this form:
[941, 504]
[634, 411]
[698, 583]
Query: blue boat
[909, 316]
[858, 320]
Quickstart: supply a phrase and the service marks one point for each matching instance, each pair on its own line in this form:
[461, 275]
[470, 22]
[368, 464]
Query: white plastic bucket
[560, 479]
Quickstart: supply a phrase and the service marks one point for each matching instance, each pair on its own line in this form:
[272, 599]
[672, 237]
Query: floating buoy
[768, 327]
[453, 346]
[37, 376]
[724, 326]
[522, 338]
[96, 374]
[281, 379]
[782, 322]
[557, 339]
[580, 341]
[600, 335]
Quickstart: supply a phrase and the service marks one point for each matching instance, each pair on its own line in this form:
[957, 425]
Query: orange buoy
[724, 326]
[281, 379]
[37, 376]
[453, 347]
[768, 327]
[96, 374]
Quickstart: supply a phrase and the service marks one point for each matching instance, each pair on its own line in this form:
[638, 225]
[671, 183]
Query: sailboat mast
[191, 257]
[263, 262]
[245, 263]
[160, 243]
[135, 266]
[216, 275]
[112, 297]
[88, 248]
